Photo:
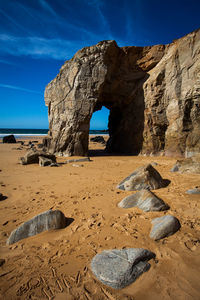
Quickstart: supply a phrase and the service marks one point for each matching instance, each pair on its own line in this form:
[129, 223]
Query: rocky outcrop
[188, 165]
[152, 94]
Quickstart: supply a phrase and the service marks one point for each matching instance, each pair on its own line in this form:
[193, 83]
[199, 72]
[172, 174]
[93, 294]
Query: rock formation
[152, 94]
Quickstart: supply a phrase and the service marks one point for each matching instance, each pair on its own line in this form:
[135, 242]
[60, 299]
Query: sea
[21, 133]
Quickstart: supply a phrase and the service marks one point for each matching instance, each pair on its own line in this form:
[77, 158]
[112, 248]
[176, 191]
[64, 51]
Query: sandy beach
[56, 264]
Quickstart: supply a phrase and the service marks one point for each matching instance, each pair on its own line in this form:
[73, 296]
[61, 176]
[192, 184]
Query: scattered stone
[119, 268]
[98, 139]
[164, 226]
[77, 160]
[10, 139]
[145, 177]
[188, 165]
[144, 200]
[193, 191]
[2, 261]
[32, 157]
[43, 161]
[47, 220]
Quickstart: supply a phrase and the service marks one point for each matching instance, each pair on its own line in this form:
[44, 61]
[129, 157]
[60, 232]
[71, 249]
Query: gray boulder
[10, 139]
[32, 157]
[187, 165]
[47, 220]
[164, 226]
[193, 191]
[119, 268]
[44, 161]
[144, 200]
[145, 177]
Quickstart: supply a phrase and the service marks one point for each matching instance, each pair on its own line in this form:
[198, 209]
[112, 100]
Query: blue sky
[37, 36]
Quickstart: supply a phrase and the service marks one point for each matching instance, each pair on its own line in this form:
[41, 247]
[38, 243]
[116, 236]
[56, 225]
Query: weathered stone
[144, 200]
[188, 165]
[77, 160]
[164, 226]
[10, 139]
[119, 268]
[43, 161]
[193, 191]
[98, 139]
[48, 220]
[145, 177]
[32, 157]
[152, 94]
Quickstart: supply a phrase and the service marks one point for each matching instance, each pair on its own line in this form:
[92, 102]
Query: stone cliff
[153, 94]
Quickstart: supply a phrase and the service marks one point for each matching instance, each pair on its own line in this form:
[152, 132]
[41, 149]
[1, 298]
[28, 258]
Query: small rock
[164, 226]
[193, 191]
[77, 166]
[43, 161]
[32, 157]
[119, 268]
[98, 139]
[54, 165]
[10, 139]
[145, 177]
[144, 200]
[47, 220]
[2, 261]
[77, 160]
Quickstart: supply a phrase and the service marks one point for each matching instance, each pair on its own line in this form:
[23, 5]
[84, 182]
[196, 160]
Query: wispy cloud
[37, 47]
[13, 87]
[47, 7]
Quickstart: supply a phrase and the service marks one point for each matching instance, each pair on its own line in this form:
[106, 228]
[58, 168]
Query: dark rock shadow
[166, 182]
[3, 198]
[68, 221]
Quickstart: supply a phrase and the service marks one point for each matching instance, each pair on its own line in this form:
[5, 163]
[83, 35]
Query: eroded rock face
[152, 93]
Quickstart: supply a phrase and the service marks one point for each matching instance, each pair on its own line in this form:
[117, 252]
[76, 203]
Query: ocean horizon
[22, 132]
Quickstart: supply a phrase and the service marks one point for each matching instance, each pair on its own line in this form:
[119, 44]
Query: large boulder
[145, 177]
[152, 94]
[164, 226]
[32, 157]
[144, 200]
[188, 165]
[48, 220]
[119, 268]
[10, 139]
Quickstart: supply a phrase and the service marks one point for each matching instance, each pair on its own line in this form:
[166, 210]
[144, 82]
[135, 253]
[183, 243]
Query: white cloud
[37, 47]
[13, 87]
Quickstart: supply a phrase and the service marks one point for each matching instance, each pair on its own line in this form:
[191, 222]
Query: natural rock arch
[153, 102]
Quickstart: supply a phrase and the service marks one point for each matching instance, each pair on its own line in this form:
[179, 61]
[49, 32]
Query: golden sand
[56, 264]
